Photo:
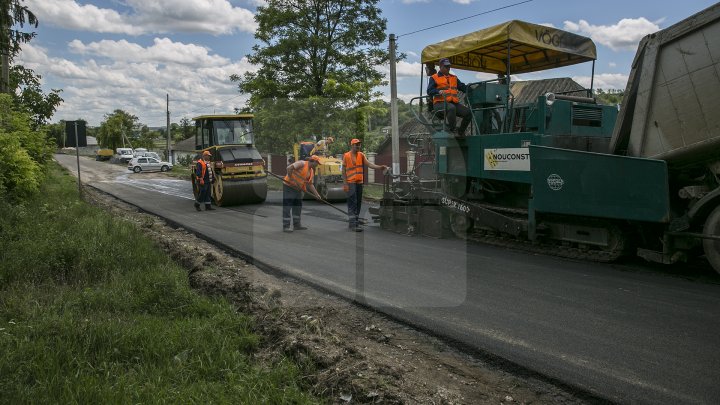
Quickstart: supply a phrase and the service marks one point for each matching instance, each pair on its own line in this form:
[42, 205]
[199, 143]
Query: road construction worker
[322, 145]
[443, 87]
[204, 178]
[354, 163]
[299, 179]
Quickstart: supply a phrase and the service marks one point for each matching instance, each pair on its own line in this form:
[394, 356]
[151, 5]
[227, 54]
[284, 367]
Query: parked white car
[140, 164]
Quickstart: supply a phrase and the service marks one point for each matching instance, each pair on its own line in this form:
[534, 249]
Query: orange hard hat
[354, 141]
[206, 153]
[314, 158]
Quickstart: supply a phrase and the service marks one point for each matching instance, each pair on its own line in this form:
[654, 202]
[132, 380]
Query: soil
[347, 353]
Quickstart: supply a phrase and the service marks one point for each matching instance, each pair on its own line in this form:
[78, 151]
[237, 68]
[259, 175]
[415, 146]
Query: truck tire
[164, 168]
[137, 169]
[712, 246]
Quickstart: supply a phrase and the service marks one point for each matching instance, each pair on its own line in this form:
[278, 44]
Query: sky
[134, 54]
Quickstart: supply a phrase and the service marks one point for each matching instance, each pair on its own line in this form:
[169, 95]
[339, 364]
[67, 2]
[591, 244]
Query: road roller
[559, 173]
[239, 169]
[328, 175]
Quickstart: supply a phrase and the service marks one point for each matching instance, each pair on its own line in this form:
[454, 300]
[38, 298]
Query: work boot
[288, 230]
[197, 206]
[209, 207]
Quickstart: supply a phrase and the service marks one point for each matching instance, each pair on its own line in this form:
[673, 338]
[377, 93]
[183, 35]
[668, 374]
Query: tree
[28, 94]
[317, 57]
[114, 127]
[12, 15]
[609, 97]
[186, 128]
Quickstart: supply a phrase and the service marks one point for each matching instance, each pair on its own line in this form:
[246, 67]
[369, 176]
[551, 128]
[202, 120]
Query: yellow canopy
[533, 47]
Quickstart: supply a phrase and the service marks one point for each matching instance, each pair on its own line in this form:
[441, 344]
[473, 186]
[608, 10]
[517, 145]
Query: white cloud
[625, 35]
[612, 64]
[402, 69]
[163, 50]
[128, 76]
[218, 17]
[604, 81]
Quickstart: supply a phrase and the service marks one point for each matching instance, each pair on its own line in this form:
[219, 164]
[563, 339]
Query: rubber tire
[137, 169]
[164, 168]
[711, 246]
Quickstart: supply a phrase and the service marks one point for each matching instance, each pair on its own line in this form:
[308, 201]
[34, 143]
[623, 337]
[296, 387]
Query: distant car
[148, 164]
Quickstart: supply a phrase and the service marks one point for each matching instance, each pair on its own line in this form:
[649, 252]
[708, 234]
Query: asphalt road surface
[630, 333]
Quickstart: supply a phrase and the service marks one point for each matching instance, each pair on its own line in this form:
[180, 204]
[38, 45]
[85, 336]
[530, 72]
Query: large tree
[316, 57]
[117, 125]
[13, 17]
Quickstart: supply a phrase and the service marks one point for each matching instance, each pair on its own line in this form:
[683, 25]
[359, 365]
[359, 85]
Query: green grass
[92, 312]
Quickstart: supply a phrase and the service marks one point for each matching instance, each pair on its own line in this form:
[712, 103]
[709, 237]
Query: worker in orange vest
[354, 163]
[204, 178]
[443, 87]
[299, 179]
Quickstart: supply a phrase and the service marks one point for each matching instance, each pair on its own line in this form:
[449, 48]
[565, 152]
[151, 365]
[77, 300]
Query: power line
[465, 18]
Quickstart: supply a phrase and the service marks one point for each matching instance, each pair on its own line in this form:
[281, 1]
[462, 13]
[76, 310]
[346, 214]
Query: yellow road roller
[239, 168]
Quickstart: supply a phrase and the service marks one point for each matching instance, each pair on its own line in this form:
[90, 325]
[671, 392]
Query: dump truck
[240, 176]
[567, 176]
[103, 154]
[328, 175]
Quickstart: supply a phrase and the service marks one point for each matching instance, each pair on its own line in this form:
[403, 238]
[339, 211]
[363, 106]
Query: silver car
[140, 164]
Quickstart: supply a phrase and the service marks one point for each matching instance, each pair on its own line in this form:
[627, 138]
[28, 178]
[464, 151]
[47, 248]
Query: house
[183, 150]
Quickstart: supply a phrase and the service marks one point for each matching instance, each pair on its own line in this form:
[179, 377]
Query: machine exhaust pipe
[551, 97]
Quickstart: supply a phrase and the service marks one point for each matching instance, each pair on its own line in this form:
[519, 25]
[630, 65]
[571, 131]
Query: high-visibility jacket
[449, 83]
[300, 178]
[204, 172]
[354, 170]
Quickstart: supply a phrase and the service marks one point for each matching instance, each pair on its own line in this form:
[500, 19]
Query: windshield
[233, 132]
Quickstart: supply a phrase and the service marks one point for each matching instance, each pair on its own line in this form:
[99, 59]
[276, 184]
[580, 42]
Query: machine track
[550, 247]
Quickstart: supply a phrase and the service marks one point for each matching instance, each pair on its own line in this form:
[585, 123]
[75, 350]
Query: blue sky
[128, 54]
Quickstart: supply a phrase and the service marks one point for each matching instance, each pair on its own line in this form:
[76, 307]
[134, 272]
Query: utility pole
[394, 129]
[77, 157]
[168, 128]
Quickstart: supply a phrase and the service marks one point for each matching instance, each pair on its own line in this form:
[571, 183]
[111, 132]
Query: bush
[23, 152]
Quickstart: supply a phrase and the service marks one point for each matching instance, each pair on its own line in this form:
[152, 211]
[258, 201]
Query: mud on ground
[348, 354]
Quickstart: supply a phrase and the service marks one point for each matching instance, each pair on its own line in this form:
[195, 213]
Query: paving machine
[328, 175]
[239, 168]
[562, 174]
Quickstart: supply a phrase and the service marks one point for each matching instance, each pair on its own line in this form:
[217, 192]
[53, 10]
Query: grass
[92, 312]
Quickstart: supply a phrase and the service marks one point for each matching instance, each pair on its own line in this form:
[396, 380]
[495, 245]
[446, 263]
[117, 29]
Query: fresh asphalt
[627, 333]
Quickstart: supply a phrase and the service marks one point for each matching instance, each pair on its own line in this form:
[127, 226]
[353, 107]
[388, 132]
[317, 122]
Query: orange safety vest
[203, 169]
[300, 178]
[449, 83]
[354, 170]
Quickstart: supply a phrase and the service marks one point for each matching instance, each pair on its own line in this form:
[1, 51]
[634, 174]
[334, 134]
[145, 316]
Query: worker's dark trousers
[205, 193]
[292, 203]
[454, 110]
[354, 203]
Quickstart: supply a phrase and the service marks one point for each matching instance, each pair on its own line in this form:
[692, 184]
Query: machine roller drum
[332, 192]
[237, 192]
[712, 246]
